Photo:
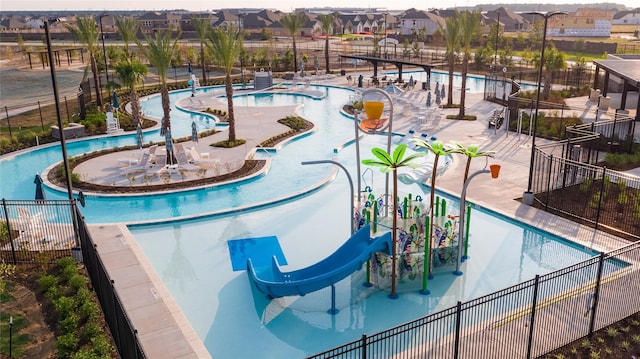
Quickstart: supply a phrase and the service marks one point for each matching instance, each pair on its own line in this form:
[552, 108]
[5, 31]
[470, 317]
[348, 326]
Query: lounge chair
[183, 161]
[142, 165]
[135, 161]
[160, 165]
[199, 159]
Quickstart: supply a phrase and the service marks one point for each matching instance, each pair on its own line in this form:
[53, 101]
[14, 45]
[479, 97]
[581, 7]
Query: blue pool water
[194, 260]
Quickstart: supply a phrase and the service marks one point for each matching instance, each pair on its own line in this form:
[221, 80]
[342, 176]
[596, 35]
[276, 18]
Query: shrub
[67, 344]
[69, 323]
[64, 306]
[90, 330]
[101, 345]
[76, 282]
[46, 282]
[89, 311]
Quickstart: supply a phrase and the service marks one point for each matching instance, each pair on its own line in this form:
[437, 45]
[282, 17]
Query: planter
[74, 130]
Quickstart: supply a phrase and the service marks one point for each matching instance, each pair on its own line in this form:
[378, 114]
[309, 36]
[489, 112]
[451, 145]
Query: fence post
[66, 104]
[533, 315]
[546, 201]
[604, 173]
[364, 346]
[41, 120]
[6, 111]
[596, 294]
[456, 348]
[6, 217]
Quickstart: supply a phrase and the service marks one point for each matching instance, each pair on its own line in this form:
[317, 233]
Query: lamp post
[56, 96]
[495, 55]
[385, 35]
[104, 50]
[353, 225]
[527, 197]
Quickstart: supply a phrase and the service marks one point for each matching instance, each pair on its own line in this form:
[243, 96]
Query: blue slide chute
[340, 264]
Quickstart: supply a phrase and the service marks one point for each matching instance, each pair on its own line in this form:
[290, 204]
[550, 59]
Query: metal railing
[41, 232]
[526, 320]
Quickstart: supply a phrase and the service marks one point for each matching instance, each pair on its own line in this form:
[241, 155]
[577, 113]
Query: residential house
[226, 18]
[627, 17]
[13, 23]
[509, 20]
[154, 21]
[413, 20]
[582, 23]
[256, 22]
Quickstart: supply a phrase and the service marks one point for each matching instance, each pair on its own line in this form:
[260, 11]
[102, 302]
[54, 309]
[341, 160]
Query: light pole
[527, 197]
[63, 144]
[385, 35]
[495, 55]
[56, 97]
[104, 50]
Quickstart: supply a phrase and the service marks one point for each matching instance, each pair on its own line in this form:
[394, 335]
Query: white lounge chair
[200, 159]
[160, 165]
[142, 165]
[183, 162]
[134, 161]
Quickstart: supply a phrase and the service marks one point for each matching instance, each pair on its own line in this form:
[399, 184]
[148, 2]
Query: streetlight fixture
[104, 51]
[527, 197]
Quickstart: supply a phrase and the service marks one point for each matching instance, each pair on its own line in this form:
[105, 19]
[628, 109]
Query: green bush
[67, 344]
[76, 282]
[64, 306]
[69, 324]
[89, 311]
[586, 185]
[85, 353]
[294, 122]
[101, 345]
[46, 282]
[89, 330]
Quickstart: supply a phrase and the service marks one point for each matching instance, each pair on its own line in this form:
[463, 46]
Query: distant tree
[293, 23]
[469, 26]
[127, 29]
[202, 27]
[451, 33]
[327, 21]
[86, 31]
[226, 46]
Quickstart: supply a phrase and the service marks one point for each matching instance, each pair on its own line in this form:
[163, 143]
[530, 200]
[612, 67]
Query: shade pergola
[56, 55]
[629, 73]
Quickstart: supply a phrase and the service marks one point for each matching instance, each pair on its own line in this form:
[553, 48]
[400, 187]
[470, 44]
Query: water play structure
[344, 261]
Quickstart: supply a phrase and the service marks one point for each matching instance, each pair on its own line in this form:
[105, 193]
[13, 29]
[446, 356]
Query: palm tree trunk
[204, 72]
[326, 51]
[431, 211]
[136, 112]
[295, 54]
[232, 121]
[166, 105]
[394, 233]
[96, 81]
[463, 93]
[450, 88]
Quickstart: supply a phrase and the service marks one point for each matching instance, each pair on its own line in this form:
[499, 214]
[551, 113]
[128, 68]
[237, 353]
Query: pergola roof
[628, 70]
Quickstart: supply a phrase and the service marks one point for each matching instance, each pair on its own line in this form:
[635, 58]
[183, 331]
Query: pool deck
[163, 330]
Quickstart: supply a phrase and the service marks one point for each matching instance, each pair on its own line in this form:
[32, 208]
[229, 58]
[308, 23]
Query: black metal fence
[123, 332]
[526, 320]
[36, 232]
[40, 232]
[592, 195]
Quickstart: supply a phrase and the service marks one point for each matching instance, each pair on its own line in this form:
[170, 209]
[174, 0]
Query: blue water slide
[341, 263]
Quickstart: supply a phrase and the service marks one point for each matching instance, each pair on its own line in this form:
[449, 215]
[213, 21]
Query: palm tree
[159, 52]
[293, 23]
[127, 28]
[202, 27]
[471, 151]
[469, 26]
[131, 72]
[86, 31]
[226, 46]
[389, 163]
[438, 149]
[327, 21]
[450, 32]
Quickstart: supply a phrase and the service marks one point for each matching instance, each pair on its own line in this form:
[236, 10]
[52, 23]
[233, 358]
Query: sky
[284, 5]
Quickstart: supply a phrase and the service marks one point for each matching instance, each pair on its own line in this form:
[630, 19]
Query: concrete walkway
[164, 331]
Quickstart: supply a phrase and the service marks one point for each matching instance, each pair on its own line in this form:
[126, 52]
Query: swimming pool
[193, 258]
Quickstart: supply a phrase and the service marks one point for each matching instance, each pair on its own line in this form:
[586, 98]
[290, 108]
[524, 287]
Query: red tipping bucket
[495, 170]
